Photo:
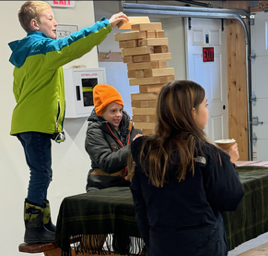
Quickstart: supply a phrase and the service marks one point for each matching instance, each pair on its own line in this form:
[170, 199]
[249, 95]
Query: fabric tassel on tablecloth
[104, 245]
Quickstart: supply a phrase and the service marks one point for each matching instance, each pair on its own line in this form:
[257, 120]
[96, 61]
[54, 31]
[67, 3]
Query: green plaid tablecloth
[111, 211]
[251, 216]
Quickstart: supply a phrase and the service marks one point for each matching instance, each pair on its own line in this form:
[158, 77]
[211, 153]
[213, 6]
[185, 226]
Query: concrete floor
[249, 244]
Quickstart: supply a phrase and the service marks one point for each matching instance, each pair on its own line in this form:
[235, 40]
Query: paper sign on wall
[65, 30]
[62, 3]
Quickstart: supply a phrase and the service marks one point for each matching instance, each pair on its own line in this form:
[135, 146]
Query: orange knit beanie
[103, 95]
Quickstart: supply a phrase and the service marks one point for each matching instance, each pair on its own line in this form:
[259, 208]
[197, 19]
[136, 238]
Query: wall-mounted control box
[79, 84]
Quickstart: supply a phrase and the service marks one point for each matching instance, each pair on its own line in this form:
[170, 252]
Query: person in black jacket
[180, 181]
[109, 134]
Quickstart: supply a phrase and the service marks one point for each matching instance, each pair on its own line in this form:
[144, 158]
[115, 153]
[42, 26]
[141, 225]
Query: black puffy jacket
[108, 151]
[184, 218]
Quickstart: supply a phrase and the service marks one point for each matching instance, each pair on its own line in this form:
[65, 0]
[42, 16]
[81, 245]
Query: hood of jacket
[21, 49]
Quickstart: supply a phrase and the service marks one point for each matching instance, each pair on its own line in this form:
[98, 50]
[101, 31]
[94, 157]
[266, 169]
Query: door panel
[212, 76]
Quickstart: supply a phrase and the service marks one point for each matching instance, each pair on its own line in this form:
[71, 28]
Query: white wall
[174, 31]
[70, 161]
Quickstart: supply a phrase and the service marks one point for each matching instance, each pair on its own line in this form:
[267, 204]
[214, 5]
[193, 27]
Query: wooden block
[123, 44]
[128, 43]
[127, 59]
[161, 48]
[147, 65]
[159, 34]
[151, 34]
[147, 132]
[136, 118]
[162, 64]
[138, 50]
[147, 80]
[151, 57]
[151, 80]
[135, 73]
[150, 88]
[153, 42]
[160, 56]
[148, 103]
[139, 125]
[133, 20]
[132, 43]
[141, 58]
[129, 35]
[147, 26]
[143, 111]
[135, 103]
[143, 103]
[166, 79]
[142, 118]
[159, 72]
[144, 96]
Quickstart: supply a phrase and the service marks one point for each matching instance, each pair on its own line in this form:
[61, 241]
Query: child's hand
[137, 136]
[233, 153]
[118, 19]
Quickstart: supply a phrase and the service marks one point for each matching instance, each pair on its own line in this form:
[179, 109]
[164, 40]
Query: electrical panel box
[79, 84]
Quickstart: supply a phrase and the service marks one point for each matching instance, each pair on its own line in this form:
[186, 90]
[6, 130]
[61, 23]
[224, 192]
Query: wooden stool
[49, 250]
[261, 250]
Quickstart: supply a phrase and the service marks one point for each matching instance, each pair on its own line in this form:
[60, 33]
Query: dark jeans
[37, 149]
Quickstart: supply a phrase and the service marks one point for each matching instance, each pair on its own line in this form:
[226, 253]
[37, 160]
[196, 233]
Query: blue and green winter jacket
[38, 76]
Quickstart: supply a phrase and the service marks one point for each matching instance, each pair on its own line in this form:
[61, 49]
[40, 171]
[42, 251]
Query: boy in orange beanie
[108, 139]
[103, 95]
[109, 134]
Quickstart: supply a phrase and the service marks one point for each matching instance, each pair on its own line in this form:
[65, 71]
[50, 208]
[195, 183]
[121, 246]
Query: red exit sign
[62, 3]
[208, 54]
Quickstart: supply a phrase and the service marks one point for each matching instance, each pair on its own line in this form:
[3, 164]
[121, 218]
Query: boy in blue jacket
[39, 92]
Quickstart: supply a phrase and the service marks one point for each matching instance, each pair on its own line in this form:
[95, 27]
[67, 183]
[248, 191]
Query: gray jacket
[108, 151]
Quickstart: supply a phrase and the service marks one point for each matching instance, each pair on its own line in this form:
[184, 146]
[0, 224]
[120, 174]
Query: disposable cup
[225, 144]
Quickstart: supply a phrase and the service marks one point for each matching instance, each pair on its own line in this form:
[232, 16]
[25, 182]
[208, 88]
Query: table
[251, 163]
[90, 216]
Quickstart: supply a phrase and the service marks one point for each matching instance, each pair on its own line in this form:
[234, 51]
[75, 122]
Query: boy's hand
[118, 19]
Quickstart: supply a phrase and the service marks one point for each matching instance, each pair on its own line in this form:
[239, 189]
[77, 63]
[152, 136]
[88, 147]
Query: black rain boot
[35, 232]
[47, 217]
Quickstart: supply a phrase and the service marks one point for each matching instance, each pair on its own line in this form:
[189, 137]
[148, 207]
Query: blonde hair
[31, 10]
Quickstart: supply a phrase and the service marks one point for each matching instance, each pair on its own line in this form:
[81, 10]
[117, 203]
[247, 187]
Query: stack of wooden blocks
[145, 50]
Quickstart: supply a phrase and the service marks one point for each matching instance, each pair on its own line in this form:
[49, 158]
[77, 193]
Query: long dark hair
[175, 130]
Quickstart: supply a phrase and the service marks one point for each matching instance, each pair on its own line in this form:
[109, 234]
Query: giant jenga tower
[145, 50]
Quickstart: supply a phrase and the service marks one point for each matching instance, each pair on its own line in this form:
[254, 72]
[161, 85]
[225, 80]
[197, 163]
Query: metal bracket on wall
[254, 139]
[253, 99]
[252, 19]
[252, 56]
[189, 23]
[255, 121]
